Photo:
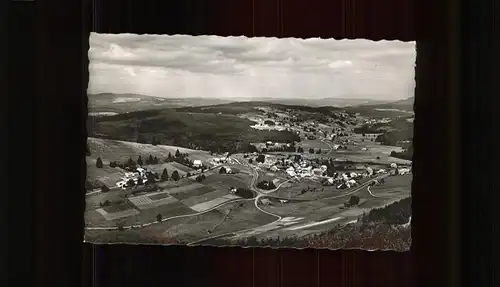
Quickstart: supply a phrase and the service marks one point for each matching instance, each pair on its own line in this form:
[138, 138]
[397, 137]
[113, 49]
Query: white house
[197, 163]
[265, 201]
[352, 182]
[403, 171]
[369, 170]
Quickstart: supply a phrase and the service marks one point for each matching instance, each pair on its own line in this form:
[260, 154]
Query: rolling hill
[392, 109]
[195, 130]
[125, 103]
[110, 103]
[250, 106]
[322, 102]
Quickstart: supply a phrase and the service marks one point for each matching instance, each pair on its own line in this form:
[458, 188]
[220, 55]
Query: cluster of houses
[221, 160]
[140, 174]
[306, 169]
[378, 121]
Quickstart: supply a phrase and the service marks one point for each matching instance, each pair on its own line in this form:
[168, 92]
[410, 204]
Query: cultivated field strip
[184, 188]
[145, 202]
[194, 200]
[209, 204]
[117, 215]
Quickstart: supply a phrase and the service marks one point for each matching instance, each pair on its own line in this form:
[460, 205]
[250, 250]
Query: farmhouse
[369, 170]
[140, 173]
[227, 168]
[265, 201]
[197, 163]
[219, 160]
[403, 171]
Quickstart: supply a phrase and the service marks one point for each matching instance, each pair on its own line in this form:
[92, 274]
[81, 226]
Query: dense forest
[205, 131]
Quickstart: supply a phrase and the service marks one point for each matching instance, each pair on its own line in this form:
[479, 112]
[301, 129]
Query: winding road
[279, 218]
[260, 194]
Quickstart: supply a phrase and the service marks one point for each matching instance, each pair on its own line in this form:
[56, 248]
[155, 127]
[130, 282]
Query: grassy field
[226, 181]
[367, 156]
[316, 190]
[205, 197]
[193, 192]
[394, 185]
[92, 218]
[185, 230]
[309, 209]
[181, 167]
[105, 175]
[119, 205]
[171, 167]
[242, 216]
[121, 151]
[315, 144]
[92, 202]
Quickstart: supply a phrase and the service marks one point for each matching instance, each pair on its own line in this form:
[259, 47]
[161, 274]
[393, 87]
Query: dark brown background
[58, 116]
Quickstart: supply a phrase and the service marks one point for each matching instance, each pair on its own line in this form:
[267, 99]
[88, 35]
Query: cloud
[212, 66]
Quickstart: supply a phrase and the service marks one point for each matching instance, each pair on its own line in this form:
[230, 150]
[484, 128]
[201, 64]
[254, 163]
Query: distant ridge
[404, 104]
[125, 103]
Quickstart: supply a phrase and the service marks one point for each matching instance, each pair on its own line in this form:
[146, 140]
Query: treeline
[244, 193]
[396, 213]
[396, 137]
[281, 148]
[343, 237]
[405, 154]
[368, 129]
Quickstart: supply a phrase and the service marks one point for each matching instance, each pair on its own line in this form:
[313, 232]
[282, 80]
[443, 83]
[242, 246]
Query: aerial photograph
[251, 142]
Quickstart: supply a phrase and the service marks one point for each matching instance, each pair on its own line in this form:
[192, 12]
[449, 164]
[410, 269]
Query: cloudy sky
[181, 66]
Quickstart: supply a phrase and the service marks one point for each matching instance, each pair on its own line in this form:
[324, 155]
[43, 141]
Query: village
[315, 158]
[330, 160]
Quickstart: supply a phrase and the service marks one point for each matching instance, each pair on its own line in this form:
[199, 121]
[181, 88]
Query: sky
[182, 66]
